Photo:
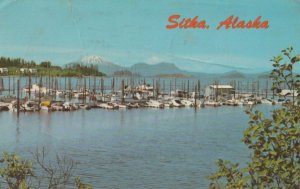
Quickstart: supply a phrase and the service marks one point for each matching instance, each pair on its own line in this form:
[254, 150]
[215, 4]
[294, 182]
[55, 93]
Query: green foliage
[19, 174]
[283, 75]
[274, 142]
[85, 70]
[45, 64]
[234, 177]
[15, 171]
[81, 185]
[15, 62]
[46, 68]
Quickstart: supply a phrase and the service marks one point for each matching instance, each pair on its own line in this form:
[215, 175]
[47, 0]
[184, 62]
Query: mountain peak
[155, 69]
[92, 59]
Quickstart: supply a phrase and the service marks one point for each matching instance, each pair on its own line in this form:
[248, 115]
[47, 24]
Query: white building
[32, 70]
[219, 91]
[24, 70]
[3, 70]
[28, 70]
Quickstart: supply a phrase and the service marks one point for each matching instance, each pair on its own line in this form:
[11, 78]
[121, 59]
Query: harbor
[32, 94]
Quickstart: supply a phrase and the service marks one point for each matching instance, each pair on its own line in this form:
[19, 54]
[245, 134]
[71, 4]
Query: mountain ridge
[161, 68]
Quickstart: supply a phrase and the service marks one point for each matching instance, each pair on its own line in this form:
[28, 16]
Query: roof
[221, 86]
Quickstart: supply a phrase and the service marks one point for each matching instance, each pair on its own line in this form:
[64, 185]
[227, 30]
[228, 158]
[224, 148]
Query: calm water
[143, 148]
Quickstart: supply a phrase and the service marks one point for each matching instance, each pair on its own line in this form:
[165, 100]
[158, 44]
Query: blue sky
[130, 31]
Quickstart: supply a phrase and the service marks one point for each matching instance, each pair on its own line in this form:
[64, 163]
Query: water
[141, 148]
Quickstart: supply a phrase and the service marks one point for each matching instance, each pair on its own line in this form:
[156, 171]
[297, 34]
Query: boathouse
[219, 91]
[32, 70]
[3, 70]
[23, 70]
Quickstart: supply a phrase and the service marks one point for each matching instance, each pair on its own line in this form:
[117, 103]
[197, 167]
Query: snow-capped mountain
[93, 59]
[103, 66]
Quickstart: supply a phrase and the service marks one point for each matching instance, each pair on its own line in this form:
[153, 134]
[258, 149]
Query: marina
[49, 94]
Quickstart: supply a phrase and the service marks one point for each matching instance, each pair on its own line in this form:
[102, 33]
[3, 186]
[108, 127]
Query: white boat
[138, 96]
[212, 103]
[186, 103]
[154, 104]
[84, 106]
[13, 107]
[31, 106]
[267, 101]
[176, 103]
[231, 103]
[4, 106]
[68, 106]
[114, 105]
[45, 109]
[59, 93]
[105, 106]
[248, 103]
[168, 104]
[133, 105]
[198, 104]
[122, 106]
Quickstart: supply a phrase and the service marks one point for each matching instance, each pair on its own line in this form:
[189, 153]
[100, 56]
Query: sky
[126, 32]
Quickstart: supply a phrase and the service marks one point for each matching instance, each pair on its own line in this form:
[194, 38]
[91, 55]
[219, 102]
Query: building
[24, 70]
[32, 70]
[28, 70]
[216, 92]
[3, 70]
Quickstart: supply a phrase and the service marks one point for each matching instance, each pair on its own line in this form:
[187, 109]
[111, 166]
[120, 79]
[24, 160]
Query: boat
[212, 103]
[31, 106]
[266, 101]
[168, 104]
[176, 103]
[154, 104]
[105, 106]
[114, 105]
[13, 107]
[133, 105]
[186, 103]
[122, 106]
[68, 106]
[84, 106]
[4, 106]
[231, 103]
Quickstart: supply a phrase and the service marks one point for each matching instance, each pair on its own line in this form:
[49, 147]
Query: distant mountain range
[156, 69]
[163, 68]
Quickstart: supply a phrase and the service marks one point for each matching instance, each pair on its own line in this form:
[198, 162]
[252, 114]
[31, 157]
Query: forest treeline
[47, 68]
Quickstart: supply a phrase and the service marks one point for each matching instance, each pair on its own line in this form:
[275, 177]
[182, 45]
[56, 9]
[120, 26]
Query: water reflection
[18, 132]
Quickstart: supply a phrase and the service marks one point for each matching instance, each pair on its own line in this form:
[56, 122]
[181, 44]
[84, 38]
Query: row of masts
[91, 86]
[98, 85]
